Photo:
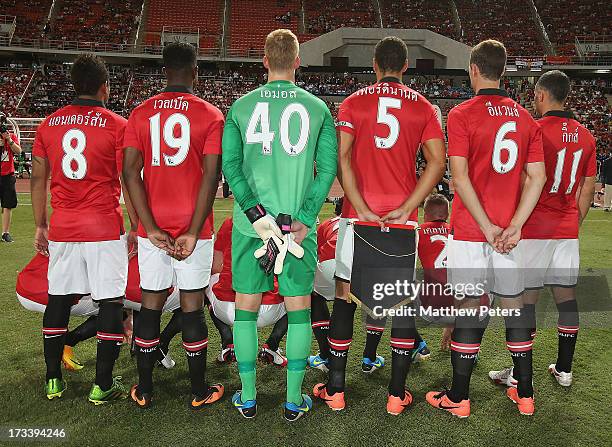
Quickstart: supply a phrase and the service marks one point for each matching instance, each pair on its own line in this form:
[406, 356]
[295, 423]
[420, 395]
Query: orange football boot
[335, 402]
[526, 405]
[439, 399]
[215, 393]
[395, 405]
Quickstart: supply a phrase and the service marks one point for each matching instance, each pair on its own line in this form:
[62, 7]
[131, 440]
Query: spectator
[8, 193]
[607, 177]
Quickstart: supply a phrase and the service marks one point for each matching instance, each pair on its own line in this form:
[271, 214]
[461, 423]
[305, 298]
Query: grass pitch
[581, 415]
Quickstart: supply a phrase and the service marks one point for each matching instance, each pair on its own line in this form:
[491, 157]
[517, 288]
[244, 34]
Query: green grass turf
[568, 417]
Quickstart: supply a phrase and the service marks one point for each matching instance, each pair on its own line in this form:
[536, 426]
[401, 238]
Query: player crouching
[223, 306]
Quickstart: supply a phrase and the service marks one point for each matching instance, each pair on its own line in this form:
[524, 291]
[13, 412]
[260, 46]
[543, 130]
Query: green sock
[245, 347]
[299, 334]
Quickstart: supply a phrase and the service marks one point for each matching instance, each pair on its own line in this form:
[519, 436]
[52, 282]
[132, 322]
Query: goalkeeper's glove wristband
[264, 225]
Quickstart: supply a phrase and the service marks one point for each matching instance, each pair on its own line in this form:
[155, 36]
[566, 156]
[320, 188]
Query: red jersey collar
[390, 79]
[87, 102]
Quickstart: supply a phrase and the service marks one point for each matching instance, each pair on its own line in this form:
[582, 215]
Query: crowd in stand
[323, 16]
[566, 19]
[509, 22]
[13, 81]
[419, 14]
[114, 21]
[31, 16]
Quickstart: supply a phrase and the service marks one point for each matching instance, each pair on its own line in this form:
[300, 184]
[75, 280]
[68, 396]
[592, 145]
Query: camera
[3, 123]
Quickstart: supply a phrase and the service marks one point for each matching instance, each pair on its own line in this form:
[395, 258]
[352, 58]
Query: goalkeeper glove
[273, 254]
[264, 225]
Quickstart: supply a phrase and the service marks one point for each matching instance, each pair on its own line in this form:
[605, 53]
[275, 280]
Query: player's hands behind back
[184, 246]
[397, 216]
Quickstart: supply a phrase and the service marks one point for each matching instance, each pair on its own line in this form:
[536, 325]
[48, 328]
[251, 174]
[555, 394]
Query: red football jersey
[327, 236]
[433, 237]
[7, 159]
[389, 122]
[80, 143]
[223, 288]
[569, 153]
[32, 281]
[173, 130]
[498, 137]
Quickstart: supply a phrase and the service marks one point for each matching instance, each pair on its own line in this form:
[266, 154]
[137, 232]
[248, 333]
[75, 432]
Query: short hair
[490, 58]
[436, 203]
[391, 54]
[179, 56]
[556, 83]
[281, 49]
[88, 74]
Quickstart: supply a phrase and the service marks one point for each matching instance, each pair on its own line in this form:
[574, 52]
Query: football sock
[319, 317]
[298, 349]
[245, 347]
[519, 343]
[146, 338]
[567, 326]
[278, 332]
[225, 331]
[417, 339]
[465, 344]
[171, 330]
[84, 331]
[530, 317]
[340, 338]
[403, 332]
[55, 327]
[374, 331]
[195, 342]
[110, 337]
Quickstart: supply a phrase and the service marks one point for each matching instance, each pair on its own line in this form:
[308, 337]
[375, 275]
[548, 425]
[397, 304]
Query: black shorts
[8, 194]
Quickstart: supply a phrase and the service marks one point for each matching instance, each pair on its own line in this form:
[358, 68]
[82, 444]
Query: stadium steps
[540, 27]
[455, 16]
[225, 26]
[142, 26]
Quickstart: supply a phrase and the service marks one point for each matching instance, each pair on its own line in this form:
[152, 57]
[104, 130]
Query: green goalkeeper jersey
[272, 139]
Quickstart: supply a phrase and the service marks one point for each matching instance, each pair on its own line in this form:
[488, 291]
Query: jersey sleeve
[212, 144]
[433, 128]
[345, 118]
[590, 167]
[38, 148]
[458, 134]
[223, 239]
[535, 153]
[130, 136]
[232, 163]
[119, 138]
[326, 159]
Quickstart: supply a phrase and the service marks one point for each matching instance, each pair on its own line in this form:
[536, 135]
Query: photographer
[9, 144]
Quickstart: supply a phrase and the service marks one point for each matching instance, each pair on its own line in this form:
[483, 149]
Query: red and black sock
[374, 331]
[340, 338]
[55, 327]
[403, 333]
[567, 326]
[195, 342]
[319, 318]
[146, 338]
[465, 344]
[520, 345]
[110, 336]
[278, 332]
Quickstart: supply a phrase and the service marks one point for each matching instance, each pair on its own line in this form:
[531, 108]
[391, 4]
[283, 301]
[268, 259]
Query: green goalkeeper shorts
[296, 279]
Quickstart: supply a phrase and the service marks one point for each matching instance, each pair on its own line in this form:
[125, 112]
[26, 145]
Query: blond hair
[281, 49]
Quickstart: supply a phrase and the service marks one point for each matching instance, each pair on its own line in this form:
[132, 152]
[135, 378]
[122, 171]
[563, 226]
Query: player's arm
[217, 264]
[185, 243]
[348, 180]
[465, 189]
[326, 159]
[535, 177]
[132, 167]
[232, 164]
[13, 142]
[38, 190]
[585, 196]
[434, 152]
